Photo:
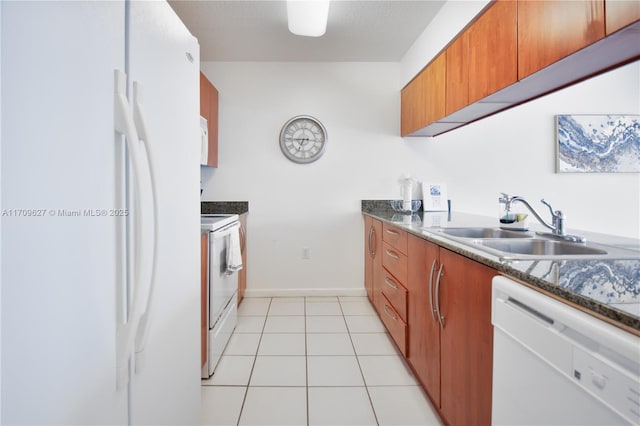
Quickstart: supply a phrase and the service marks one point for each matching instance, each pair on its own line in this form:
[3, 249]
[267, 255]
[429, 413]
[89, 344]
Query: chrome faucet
[557, 217]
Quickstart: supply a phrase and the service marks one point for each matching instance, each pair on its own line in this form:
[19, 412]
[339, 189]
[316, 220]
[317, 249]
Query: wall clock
[303, 139]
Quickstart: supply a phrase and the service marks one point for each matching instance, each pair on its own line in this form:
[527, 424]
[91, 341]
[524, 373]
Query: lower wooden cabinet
[447, 332]
[242, 274]
[372, 257]
[424, 329]
[390, 291]
[466, 340]
[393, 322]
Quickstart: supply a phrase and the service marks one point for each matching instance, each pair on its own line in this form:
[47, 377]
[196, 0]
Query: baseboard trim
[299, 292]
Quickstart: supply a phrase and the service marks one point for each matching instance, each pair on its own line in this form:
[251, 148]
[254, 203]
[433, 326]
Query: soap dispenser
[511, 216]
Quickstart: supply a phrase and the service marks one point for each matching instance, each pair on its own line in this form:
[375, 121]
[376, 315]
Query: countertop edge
[224, 207]
[597, 309]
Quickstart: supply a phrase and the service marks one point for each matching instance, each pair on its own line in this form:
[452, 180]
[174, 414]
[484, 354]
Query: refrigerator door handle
[140, 123]
[124, 125]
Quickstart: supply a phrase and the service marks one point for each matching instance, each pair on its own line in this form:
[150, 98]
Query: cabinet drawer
[395, 325]
[395, 237]
[396, 294]
[395, 262]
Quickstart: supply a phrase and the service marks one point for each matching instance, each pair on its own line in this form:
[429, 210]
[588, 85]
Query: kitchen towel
[234, 255]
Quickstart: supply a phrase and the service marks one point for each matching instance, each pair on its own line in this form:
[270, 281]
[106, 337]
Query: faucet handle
[546, 203]
[554, 213]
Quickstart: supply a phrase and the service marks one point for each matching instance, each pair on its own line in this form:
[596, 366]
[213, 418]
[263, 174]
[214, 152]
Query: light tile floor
[312, 361]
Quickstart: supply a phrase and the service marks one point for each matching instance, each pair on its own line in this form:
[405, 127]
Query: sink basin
[484, 233]
[536, 246]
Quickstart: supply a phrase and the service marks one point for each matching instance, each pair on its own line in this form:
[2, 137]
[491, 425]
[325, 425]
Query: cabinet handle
[392, 232]
[390, 283]
[433, 267]
[371, 251]
[392, 254]
[389, 314]
[440, 317]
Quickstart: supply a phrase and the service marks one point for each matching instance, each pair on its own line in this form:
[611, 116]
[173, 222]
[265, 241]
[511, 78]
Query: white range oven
[219, 292]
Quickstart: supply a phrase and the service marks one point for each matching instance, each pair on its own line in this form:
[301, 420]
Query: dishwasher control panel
[617, 388]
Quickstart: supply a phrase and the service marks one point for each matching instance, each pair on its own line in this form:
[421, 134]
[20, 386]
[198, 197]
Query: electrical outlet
[306, 253]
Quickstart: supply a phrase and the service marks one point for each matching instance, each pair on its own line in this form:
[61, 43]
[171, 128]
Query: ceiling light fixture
[308, 17]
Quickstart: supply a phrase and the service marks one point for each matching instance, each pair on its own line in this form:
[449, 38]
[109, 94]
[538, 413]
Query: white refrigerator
[100, 214]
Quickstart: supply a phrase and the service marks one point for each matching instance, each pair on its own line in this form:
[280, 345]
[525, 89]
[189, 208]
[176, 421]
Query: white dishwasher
[556, 365]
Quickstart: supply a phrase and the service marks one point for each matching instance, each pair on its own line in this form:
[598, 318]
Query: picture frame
[598, 143]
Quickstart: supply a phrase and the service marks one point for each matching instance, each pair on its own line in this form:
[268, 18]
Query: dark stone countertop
[606, 288]
[224, 207]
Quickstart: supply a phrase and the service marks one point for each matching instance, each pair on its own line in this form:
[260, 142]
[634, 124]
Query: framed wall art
[598, 143]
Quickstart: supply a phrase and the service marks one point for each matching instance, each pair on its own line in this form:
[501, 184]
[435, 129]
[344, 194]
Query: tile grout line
[255, 358]
[366, 387]
[306, 354]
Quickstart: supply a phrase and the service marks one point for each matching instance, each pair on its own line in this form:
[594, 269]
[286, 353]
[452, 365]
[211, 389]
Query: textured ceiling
[361, 30]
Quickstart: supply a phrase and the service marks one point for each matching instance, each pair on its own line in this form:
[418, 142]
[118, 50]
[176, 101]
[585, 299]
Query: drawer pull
[390, 283]
[392, 254]
[389, 313]
[392, 232]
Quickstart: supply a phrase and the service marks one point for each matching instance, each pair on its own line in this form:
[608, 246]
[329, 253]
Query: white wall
[450, 20]
[515, 151]
[318, 205]
[315, 205]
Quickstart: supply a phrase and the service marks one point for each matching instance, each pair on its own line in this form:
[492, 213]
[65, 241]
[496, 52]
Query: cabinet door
[620, 13]
[466, 340]
[242, 274]
[413, 112]
[376, 269]
[493, 50]
[213, 129]
[209, 110]
[551, 30]
[436, 75]
[457, 72]
[205, 97]
[368, 256]
[424, 330]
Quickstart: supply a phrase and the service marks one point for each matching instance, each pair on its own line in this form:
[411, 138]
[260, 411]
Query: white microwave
[204, 141]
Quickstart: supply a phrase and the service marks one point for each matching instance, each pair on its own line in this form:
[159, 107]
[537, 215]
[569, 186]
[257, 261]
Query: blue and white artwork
[598, 143]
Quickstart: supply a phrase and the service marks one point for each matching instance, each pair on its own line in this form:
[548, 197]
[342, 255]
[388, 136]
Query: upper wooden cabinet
[620, 13]
[457, 71]
[493, 50]
[436, 78]
[209, 110]
[413, 98]
[551, 30]
[515, 51]
[424, 96]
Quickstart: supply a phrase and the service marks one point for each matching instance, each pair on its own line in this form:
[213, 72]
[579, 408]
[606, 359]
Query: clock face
[303, 139]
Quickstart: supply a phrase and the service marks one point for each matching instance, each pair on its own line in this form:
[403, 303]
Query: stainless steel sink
[542, 247]
[484, 233]
[517, 245]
